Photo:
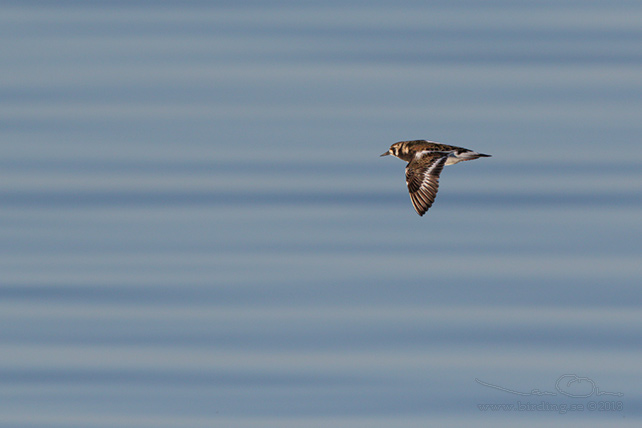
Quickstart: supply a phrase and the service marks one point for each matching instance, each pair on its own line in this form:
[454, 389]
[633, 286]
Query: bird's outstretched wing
[422, 178]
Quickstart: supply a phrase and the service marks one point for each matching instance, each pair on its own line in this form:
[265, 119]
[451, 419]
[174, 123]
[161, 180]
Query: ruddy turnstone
[425, 160]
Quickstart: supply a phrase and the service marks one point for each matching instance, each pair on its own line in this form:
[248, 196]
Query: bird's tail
[471, 155]
[464, 156]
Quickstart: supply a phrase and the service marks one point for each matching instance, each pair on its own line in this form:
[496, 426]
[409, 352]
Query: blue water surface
[197, 229]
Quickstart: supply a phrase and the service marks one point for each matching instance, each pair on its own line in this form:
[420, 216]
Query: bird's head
[393, 150]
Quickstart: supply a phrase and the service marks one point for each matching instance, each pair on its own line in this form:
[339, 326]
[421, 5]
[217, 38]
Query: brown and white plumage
[426, 160]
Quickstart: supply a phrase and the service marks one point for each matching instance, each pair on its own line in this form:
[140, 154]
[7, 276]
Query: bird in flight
[425, 160]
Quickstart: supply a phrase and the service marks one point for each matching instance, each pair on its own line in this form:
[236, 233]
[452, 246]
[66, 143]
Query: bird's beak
[385, 154]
